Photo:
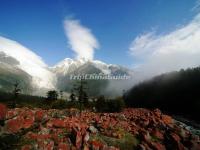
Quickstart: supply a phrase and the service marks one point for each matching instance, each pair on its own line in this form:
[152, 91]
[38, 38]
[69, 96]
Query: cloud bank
[80, 39]
[28, 62]
[172, 51]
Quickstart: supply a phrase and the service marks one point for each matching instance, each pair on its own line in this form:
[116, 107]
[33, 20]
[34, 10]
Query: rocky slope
[28, 129]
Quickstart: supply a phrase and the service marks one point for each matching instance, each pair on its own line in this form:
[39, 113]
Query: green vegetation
[127, 142]
[10, 75]
[16, 93]
[100, 86]
[23, 100]
[175, 92]
[109, 105]
[52, 95]
[102, 104]
[8, 141]
[59, 104]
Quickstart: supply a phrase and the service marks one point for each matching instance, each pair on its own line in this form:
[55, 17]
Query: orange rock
[158, 134]
[27, 118]
[14, 125]
[158, 146]
[78, 140]
[26, 147]
[96, 144]
[11, 114]
[157, 112]
[50, 146]
[39, 115]
[38, 136]
[86, 137]
[175, 137]
[63, 146]
[167, 119]
[58, 123]
[27, 123]
[86, 147]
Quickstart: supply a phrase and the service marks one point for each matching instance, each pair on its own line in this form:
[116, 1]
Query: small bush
[110, 105]
[116, 105]
[59, 104]
[101, 104]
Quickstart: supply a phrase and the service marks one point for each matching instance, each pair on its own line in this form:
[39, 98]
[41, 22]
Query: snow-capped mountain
[10, 74]
[68, 67]
[18, 63]
[19, 57]
[78, 66]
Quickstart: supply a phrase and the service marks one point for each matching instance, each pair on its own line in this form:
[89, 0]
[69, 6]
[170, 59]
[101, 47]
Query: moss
[127, 142]
[155, 139]
[25, 141]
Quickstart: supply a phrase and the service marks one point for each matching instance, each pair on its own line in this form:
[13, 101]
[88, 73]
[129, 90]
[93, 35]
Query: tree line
[176, 92]
[78, 98]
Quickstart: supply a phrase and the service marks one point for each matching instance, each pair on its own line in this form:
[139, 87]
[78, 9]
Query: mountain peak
[69, 65]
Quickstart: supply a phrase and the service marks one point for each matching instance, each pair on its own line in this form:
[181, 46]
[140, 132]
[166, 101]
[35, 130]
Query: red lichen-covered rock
[157, 112]
[35, 136]
[195, 145]
[93, 129]
[26, 147]
[58, 123]
[11, 114]
[63, 146]
[86, 137]
[112, 148]
[158, 134]
[86, 147]
[3, 110]
[45, 144]
[58, 136]
[78, 140]
[62, 129]
[144, 146]
[167, 119]
[27, 118]
[28, 122]
[39, 115]
[175, 137]
[14, 125]
[96, 145]
[50, 146]
[157, 146]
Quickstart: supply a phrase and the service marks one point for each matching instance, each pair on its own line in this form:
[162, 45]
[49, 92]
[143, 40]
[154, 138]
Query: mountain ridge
[43, 77]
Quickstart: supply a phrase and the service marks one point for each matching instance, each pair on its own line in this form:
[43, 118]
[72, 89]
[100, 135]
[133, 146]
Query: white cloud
[196, 6]
[81, 39]
[172, 51]
[29, 62]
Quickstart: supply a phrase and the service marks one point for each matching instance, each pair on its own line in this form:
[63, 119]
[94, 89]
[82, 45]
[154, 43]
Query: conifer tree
[16, 93]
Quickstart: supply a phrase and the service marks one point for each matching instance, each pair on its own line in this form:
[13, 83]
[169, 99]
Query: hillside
[28, 129]
[175, 92]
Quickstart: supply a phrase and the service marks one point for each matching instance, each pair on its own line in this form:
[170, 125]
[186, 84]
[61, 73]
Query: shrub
[101, 104]
[111, 105]
[59, 104]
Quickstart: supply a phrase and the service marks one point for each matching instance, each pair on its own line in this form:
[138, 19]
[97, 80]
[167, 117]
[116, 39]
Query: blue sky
[115, 24]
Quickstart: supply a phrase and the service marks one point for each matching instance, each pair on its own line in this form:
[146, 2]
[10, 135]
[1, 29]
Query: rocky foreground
[140, 129]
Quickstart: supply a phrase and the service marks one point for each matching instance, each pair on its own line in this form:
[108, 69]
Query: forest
[175, 92]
